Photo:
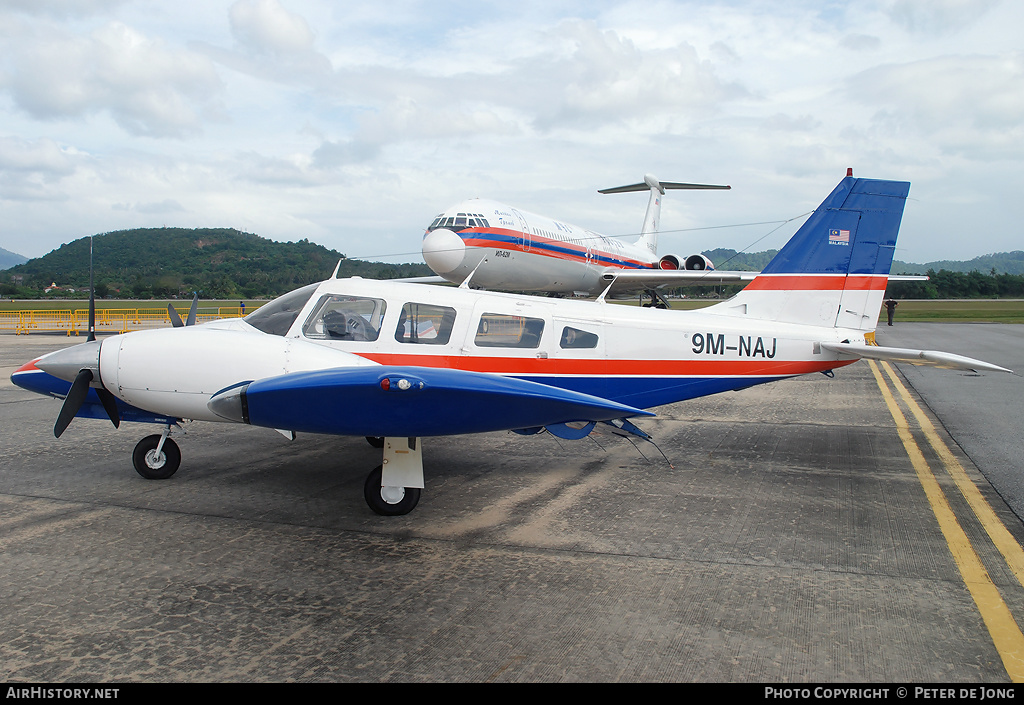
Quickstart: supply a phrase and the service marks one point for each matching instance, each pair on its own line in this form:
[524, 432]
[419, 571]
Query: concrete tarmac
[984, 413]
[791, 541]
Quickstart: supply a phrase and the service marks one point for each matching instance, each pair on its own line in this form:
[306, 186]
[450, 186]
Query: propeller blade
[109, 402]
[73, 401]
[191, 321]
[173, 315]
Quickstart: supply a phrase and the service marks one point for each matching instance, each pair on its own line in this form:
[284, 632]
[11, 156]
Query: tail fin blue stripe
[853, 231]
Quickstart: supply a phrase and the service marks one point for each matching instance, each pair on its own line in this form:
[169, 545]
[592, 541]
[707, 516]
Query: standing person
[241, 306]
[890, 305]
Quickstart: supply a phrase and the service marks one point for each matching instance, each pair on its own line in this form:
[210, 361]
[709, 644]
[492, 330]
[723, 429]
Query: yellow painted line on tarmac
[1005, 633]
[1012, 552]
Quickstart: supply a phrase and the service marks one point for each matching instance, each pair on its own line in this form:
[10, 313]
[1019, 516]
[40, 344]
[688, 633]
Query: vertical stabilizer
[834, 270]
[652, 218]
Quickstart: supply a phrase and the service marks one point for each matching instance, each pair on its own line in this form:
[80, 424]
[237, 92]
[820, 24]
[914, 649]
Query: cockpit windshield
[277, 317]
[458, 222]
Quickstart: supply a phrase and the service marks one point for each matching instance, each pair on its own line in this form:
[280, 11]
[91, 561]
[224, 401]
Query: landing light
[401, 384]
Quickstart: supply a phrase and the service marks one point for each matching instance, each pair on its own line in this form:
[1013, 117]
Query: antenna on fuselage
[611, 283]
[465, 282]
[652, 218]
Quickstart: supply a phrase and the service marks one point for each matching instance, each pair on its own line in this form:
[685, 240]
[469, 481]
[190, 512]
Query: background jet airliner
[402, 361]
[529, 252]
[496, 246]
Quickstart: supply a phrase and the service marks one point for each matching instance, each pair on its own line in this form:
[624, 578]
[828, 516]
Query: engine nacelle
[693, 262]
[669, 262]
[699, 262]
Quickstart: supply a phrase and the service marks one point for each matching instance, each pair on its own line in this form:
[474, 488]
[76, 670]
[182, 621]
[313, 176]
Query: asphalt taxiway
[802, 533]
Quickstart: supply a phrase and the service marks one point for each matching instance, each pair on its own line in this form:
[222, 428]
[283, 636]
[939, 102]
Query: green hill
[10, 259]
[740, 261]
[165, 262]
[226, 263]
[1001, 262]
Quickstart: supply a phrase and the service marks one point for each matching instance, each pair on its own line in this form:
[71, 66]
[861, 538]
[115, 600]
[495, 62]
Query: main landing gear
[391, 489]
[657, 300]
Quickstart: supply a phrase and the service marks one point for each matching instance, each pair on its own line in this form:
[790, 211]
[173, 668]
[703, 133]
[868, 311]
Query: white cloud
[265, 26]
[969, 105]
[941, 16]
[63, 8]
[147, 87]
[353, 124]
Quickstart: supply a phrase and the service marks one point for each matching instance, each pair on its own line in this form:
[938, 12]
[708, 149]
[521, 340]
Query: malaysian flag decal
[838, 237]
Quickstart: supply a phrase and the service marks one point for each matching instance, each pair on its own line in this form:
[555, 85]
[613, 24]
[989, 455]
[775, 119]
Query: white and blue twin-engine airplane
[402, 361]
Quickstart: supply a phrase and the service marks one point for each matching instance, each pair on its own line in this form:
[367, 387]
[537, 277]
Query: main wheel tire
[152, 466]
[375, 441]
[390, 501]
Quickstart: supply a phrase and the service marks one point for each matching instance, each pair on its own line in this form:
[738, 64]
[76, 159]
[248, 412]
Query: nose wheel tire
[389, 501]
[153, 466]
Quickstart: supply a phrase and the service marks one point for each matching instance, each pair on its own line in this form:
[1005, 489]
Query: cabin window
[425, 324]
[277, 317]
[498, 330]
[340, 317]
[576, 338]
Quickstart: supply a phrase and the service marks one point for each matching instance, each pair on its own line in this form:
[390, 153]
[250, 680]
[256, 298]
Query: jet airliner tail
[834, 270]
[652, 218]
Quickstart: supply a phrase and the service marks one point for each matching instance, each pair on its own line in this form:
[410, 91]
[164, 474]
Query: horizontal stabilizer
[666, 186]
[932, 358]
[407, 402]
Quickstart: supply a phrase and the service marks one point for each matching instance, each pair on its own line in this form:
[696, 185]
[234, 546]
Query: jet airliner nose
[443, 250]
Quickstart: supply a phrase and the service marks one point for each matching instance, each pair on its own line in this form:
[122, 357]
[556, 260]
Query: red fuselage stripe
[609, 368]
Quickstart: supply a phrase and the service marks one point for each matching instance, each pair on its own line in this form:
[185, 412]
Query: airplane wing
[410, 402]
[932, 358]
[422, 280]
[634, 279]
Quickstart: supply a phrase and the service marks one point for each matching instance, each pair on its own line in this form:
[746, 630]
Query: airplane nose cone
[443, 250]
[67, 363]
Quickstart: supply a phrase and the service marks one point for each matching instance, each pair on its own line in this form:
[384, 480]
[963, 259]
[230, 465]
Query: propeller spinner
[79, 365]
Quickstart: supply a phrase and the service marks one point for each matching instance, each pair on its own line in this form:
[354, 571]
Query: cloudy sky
[354, 123]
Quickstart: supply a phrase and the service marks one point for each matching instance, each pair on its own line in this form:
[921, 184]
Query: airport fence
[108, 320]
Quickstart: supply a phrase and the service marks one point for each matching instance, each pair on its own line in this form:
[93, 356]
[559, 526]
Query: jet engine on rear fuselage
[693, 262]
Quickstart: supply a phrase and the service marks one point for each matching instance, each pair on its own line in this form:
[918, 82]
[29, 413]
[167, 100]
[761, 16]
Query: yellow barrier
[110, 320]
